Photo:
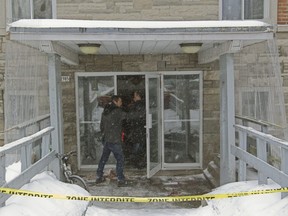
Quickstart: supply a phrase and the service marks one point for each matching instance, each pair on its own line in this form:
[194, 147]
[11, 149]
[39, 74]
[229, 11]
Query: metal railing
[260, 160]
[21, 130]
[29, 168]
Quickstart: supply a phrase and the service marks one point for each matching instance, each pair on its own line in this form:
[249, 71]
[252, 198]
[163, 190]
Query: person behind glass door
[137, 132]
[111, 127]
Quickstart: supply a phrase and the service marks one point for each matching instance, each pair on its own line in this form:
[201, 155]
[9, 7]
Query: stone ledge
[282, 28]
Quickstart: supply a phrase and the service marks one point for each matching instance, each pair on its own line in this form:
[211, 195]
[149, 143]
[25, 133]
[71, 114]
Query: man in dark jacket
[137, 132]
[112, 126]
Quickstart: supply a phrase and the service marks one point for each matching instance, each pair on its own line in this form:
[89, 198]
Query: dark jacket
[137, 122]
[112, 123]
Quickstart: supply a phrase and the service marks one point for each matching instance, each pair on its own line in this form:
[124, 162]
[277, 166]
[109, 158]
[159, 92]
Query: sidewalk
[140, 186]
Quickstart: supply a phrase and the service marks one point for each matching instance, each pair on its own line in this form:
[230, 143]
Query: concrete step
[212, 174]
[217, 160]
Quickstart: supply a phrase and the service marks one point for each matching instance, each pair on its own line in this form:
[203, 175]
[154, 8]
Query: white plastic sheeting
[26, 90]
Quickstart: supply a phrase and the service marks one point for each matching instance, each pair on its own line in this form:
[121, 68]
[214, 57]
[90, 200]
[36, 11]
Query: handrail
[260, 160]
[28, 123]
[259, 122]
[263, 136]
[28, 168]
[24, 141]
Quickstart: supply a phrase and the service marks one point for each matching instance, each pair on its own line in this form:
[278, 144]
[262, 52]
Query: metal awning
[136, 37]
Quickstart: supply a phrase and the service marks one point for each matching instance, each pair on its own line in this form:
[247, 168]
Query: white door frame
[184, 166]
[149, 123]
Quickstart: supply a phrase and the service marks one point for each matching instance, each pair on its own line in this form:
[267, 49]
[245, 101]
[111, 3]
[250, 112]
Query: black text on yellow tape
[12, 191]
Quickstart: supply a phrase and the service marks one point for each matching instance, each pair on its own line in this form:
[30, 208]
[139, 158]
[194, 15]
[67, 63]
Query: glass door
[153, 124]
[182, 120]
[93, 93]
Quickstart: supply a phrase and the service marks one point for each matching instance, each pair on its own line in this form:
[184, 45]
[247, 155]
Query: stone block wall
[211, 113]
[283, 60]
[282, 40]
[146, 63]
[138, 9]
[2, 72]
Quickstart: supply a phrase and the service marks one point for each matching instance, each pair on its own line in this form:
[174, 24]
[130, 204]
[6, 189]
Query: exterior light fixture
[190, 47]
[89, 48]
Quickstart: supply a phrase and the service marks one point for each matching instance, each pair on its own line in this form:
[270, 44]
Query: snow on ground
[269, 204]
[12, 171]
[46, 182]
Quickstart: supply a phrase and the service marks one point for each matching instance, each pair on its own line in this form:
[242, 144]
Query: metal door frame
[161, 74]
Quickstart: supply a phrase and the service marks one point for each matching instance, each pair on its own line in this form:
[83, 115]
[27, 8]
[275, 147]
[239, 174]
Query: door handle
[149, 121]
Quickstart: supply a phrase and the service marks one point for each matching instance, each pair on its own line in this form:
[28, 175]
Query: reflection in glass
[181, 118]
[42, 9]
[231, 9]
[20, 9]
[93, 94]
[253, 9]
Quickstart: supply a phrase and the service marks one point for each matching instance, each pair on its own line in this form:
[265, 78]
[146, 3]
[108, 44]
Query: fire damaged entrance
[172, 125]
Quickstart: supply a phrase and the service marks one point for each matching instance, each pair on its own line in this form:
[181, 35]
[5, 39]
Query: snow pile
[268, 204]
[46, 182]
[12, 171]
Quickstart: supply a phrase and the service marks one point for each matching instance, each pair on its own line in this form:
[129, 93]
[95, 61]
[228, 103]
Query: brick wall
[138, 9]
[282, 12]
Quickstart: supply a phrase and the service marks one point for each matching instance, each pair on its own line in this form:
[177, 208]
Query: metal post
[56, 115]
[242, 171]
[261, 154]
[227, 119]
[284, 168]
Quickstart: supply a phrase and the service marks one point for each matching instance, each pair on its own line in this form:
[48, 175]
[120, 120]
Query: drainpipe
[56, 118]
[227, 119]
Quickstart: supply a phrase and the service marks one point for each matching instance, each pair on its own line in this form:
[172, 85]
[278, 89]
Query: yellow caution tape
[17, 192]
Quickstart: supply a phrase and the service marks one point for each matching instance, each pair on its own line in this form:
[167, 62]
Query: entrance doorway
[173, 104]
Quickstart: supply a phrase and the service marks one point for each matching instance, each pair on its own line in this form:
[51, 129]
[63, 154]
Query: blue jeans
[116, 149]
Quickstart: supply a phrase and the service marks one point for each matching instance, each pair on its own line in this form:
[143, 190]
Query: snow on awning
[60, 29]
[137, 37]
[64, 23]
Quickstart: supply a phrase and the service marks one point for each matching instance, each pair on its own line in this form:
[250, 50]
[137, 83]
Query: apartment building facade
[139, 49]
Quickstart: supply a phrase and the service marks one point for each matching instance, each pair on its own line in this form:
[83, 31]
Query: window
[244, 9]
[255, 104]
[31, 9]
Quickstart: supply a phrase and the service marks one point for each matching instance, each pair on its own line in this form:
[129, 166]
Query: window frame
[266, 12]
[9, 10]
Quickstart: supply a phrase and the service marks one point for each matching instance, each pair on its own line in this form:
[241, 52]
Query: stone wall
[146, 63]
[138, 9]
[2, 72]
[282, 40]
[211, 113]
[283, 59]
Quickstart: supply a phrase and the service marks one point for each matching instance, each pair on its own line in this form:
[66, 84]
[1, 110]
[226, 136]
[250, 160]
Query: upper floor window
[31, 9]
[244, 9]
